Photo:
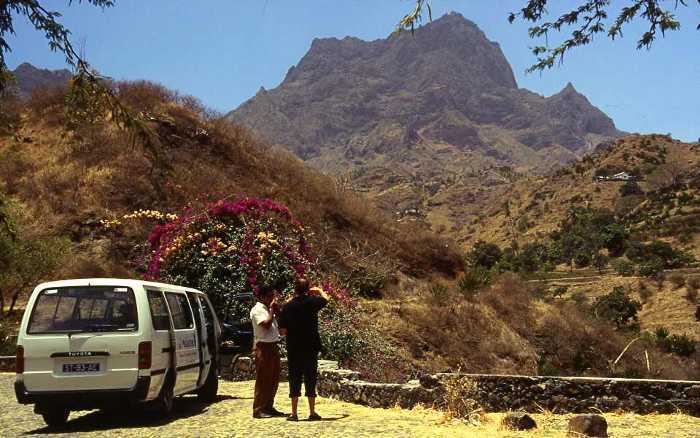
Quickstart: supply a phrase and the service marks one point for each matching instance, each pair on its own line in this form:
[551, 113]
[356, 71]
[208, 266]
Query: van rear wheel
[166, 399]
[56, 417]
[207, 393]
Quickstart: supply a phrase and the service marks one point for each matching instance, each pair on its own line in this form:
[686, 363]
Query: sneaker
[262, 415]
[314, 417]
[292, 417]
[275, 413]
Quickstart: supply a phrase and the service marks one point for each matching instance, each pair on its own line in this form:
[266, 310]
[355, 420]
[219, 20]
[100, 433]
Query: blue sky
[223, 51]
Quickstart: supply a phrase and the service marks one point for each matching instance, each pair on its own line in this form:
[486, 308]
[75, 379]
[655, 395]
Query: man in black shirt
[299, 320]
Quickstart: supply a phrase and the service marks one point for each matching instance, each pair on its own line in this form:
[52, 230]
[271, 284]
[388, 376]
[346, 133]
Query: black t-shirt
[300, 318]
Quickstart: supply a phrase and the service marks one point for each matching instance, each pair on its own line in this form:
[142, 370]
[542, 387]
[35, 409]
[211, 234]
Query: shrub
[341, 336]
[582, 259]
[685, 237]
[438, 294]
[235, 247]
[473, 279]
[644, 291]
[559, 291]
[663, 252]
[364, 281]
[691, 290]
[459, 399]
[677, 279]
[231, 248]
[600, 261]
[623, 267]
[617, 307]
[630, 188]
[681, 345]
[651, 268]
[484, 254]
[580, 299]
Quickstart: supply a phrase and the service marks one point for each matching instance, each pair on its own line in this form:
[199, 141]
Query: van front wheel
[207, 393]
[56, 417]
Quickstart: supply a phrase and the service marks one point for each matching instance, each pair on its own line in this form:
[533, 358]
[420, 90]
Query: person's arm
[320, 300]
[266, 320]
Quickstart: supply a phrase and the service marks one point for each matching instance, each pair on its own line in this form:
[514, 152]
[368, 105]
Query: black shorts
[302, 368]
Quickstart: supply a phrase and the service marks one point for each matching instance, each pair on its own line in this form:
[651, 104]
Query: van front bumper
[87, 399]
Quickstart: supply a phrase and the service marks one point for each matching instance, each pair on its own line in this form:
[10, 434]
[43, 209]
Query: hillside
[68, 179]
[665, 205]
[416, 121]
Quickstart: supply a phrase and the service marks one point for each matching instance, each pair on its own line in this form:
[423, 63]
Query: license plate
[81, 367]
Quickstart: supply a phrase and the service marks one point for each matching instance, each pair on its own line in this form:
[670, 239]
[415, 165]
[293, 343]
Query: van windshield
[84, 309]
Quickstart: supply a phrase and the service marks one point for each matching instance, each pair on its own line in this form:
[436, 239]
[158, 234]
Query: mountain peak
[450, 51]
[30, 77]
[570, 88]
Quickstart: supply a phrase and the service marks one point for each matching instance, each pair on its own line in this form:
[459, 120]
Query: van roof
[112, 282]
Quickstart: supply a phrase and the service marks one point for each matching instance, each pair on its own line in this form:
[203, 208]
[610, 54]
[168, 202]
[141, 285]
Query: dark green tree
[484, 254]
[630, 188]
[617, 307]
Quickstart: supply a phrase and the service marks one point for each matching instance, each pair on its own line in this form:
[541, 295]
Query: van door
[186, 343]
[204, 355]
[82, 338]
[163, 353]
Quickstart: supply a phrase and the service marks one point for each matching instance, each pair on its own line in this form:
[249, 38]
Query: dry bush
[691, 290]
[677, 279]
[644, 291]
[487, 335]
[47, 104]
[510, 298]
[459, 400]
[144, 95]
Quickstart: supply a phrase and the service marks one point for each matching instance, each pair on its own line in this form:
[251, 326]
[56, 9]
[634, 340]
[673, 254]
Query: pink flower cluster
[163, 235]
[251, 206]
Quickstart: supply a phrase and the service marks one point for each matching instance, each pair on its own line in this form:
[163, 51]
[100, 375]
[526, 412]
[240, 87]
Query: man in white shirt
[267, 356]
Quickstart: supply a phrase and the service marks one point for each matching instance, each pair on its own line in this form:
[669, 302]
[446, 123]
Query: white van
[101, 342]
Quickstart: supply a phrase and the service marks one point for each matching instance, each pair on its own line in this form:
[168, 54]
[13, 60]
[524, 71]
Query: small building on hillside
[622, 176]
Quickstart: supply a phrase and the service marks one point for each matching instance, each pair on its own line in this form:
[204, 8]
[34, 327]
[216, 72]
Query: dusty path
[230, 416]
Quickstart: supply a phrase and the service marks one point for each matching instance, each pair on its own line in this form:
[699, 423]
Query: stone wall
[498, 393]
[239, 368]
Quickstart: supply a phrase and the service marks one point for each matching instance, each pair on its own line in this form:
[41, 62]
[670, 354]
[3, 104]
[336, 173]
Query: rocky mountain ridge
[410, 118]
[28, 78]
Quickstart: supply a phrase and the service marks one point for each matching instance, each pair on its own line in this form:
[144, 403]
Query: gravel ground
[231, 416]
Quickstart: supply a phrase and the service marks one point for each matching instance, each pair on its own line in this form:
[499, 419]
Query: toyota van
[101, 343]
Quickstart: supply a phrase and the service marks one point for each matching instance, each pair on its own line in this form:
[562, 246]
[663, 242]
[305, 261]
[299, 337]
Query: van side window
[180, 310]
[195, 308]
[208, 317]
[159, 311]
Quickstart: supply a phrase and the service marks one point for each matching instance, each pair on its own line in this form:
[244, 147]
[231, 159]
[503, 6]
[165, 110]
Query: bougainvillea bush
[230, 248]
[227, 248]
